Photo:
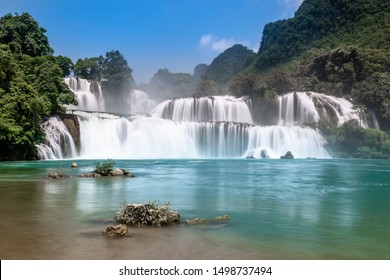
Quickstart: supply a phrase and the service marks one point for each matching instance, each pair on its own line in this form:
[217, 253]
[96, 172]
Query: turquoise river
[279, 209]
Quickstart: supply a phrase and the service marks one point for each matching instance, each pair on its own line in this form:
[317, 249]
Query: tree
[89, 68]
[65, 64]
[24, 35]
[31, 86]
[117, 75]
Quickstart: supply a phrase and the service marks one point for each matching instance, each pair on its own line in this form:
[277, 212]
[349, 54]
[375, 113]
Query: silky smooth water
[279, 209]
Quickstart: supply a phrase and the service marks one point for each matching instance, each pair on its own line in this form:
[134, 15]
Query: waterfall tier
[214, 108]
[59, 143]
[151, 137]
[300, 108]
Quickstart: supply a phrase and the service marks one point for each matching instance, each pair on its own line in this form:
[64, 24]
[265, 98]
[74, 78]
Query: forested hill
[340, 47]
[320, 23]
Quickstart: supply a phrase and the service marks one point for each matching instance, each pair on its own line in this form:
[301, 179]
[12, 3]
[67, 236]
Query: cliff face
[72, 124]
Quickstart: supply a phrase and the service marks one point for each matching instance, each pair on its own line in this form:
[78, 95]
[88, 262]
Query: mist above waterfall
[193, 127]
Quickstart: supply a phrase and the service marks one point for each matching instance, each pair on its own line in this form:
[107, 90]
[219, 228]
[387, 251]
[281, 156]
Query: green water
[279, 209]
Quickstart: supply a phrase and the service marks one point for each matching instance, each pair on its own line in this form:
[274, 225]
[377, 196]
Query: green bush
[104, 168]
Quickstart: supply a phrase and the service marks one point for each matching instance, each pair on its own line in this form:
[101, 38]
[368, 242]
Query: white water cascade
[298, 108]
[89, 95]
[217, 126]
[59, 142]
[213, 108]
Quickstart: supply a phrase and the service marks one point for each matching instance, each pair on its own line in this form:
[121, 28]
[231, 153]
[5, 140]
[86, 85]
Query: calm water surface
[279, 209]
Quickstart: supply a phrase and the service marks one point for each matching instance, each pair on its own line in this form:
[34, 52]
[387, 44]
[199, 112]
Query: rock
[74, 165]
[71, 122]
[116, 172]
[288, 155]
[222, 218]
[116, 231]
[264, 154]
[148, 214]
[90, 175]
[54, 175]
[250, 157]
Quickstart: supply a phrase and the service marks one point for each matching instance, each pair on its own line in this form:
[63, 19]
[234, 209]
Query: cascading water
[298, 108]
[89, 95]
[217, 126]
[214, 108]
[59, 142]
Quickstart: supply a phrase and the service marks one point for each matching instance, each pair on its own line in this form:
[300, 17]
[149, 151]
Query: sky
[152, 34]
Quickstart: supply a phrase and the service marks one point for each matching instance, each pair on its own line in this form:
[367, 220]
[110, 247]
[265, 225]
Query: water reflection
[279, 209]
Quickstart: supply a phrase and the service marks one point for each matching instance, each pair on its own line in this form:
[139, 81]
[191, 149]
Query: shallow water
[279, 209]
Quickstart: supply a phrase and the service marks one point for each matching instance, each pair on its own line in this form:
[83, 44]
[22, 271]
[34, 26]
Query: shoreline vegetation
[335, 48]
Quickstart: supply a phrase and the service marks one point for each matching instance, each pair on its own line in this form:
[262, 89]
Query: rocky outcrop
[264, 154]
[116, 172]
[148, 214]
[288, 155]
[116, 231]
[72, 124]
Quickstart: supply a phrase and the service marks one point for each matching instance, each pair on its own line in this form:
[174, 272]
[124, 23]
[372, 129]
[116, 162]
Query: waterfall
[152, 137]
[89, 95]
[140, 102]
[59, 143]
[298, 108]
[215, 126]
[214, 108]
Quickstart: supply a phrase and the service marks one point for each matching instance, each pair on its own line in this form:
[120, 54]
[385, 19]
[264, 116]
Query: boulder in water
[148, 214]
[116, 231]
[288, 155]
[74, 165]
[264, 154]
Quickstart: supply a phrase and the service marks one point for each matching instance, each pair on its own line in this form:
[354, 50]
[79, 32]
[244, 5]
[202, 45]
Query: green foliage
[24, 35]
[65, 64]
[354, 141]
[228, 64]
[165, 85]
[104, 168]
[89, 68]
[112, 71]
[117, 75]
[206, 87]
[199, 71]
[31, 86]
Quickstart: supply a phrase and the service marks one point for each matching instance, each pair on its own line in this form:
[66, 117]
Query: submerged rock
[54, 175]
[195, 221]
[116, 231]
[148, 214]
[57, 175]
[198, 221]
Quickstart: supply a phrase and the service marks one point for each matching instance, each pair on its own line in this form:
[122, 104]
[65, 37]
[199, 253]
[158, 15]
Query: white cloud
[289, 7]
[290, 3]
[216, 44]
[205, 40]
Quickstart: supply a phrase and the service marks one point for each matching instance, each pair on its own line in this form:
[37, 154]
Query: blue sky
[152, 34]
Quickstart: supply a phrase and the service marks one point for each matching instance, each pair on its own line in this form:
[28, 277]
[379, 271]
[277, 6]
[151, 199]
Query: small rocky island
[152, 214]
[102, 169]
[106, 168]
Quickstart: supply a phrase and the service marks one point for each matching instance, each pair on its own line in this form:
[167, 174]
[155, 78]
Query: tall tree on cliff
[31, 85]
